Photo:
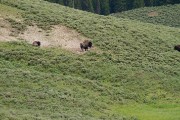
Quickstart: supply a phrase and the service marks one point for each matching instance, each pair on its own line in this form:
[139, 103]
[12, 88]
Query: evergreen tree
[138, 3]
[68, 3]
[105, 9]
[148, 2]
[60, 2]
[77, 4]
[87, 5]
[129, 4]
[97, 7]
[175, 1]
[118, 5]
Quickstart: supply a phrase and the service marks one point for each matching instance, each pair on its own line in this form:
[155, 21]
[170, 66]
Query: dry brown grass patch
[153, 14]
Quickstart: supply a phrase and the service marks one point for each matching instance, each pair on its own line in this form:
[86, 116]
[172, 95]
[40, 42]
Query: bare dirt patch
[153, 14]
[58, 36]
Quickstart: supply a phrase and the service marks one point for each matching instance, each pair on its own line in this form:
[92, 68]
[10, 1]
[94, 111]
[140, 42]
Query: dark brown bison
[177, 47]
[36, 43]
[85, 45]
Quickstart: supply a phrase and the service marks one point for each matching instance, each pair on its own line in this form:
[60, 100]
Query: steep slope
[165, 15]
[136, 65]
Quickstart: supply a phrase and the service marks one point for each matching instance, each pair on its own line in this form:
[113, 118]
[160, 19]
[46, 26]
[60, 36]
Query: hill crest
[168, 15]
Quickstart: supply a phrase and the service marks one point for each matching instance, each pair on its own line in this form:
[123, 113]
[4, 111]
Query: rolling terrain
[132, 72]
[168, 15]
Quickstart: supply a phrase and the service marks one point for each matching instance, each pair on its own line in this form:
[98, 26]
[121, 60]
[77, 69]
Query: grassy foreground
[135, 74]
[150, 112]
[55, 84]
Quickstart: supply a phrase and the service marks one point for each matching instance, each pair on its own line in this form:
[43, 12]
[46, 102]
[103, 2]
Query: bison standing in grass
[36, 43]
[85, 45]
[177, 47]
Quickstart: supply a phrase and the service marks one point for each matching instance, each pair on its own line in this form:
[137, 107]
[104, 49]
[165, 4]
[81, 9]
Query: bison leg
[86, 48]
[81, 46]
[90, 44]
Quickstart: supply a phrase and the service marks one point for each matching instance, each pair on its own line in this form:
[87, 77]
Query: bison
[36, 43]
[85, 45]
[177, 47]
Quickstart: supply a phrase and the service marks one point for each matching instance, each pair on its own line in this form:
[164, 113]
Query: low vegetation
[135, 65]
[165, 15]
[17, 26]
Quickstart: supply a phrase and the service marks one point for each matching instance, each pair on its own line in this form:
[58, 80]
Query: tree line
[106, 7]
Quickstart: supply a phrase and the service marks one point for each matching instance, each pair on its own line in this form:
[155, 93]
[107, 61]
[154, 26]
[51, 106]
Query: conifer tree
[118, 5]
[97, 7]
[77, 4]
[129, 4]
[60, 2]
[138, 3]
[175, 1]
[105, 7]
[87, 5]
[148, 2]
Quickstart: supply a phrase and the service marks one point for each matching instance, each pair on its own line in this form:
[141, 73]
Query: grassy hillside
[166, 15]
[135, 66]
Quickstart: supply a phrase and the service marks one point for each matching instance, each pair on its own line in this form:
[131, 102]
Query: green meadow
[149, 112]
[168, 15]
[133, 74]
